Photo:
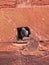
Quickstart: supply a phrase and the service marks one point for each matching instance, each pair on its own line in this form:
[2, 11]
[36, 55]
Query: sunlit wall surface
[36, 17]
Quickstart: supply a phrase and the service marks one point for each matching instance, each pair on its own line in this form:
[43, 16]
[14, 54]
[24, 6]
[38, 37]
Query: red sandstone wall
[34, 2]
[7, 3]
[16, 3]
[37, 18]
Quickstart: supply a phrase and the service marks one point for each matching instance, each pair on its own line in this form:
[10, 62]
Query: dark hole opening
[23, 32]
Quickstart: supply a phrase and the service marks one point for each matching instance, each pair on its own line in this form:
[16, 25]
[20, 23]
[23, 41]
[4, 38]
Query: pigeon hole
[23, 32]
[32, 42]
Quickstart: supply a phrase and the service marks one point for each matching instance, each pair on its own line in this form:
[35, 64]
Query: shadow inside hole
[23, 32]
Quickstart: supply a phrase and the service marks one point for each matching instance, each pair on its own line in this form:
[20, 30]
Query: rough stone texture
[22, 3]
[37, 18]
[7, 3]
[33, 2]
[14, 58]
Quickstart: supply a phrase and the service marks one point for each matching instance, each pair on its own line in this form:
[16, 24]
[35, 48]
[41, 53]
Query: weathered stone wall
[37, 18]
[7, 3]
[22, 3]
[34, 2]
